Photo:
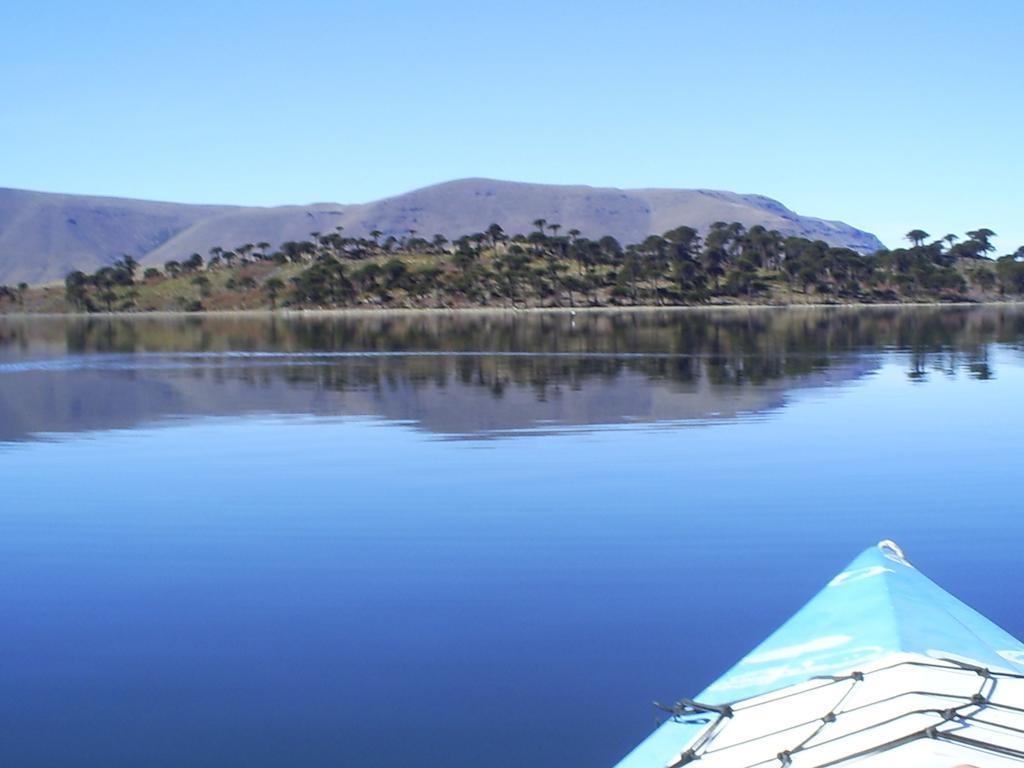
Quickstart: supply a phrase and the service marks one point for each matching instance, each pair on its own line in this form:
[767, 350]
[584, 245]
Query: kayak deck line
[881, 669]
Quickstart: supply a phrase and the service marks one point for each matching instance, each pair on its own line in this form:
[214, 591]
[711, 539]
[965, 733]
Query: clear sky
[890, 114]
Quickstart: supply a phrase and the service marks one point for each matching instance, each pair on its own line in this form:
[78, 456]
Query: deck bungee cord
[946, 719]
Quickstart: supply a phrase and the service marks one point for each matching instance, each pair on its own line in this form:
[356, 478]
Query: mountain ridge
[44, 235]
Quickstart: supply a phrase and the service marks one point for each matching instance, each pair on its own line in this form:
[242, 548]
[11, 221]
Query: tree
[105, 279]
[610, 247]
[512, 270]
[654, 262]
[172, 268]
[495, 234]
[917, 237]
[128, 265]
[202, 282]
[394, 271]
[325, 282]
[296, 251]
[1010, 273]
[632, 270]
[273, 287]
[75, 289]
[477, 239]
[690, 280]
[572, 285]
[983, 237]
[713, 258]
[365, 277]
[985, 278]
[423, 281]
[685, 238]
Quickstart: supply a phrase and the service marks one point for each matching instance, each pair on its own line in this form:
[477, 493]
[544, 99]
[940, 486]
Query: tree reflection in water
[471, 374]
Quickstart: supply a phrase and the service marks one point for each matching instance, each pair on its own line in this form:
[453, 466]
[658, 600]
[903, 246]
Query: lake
[465, 540]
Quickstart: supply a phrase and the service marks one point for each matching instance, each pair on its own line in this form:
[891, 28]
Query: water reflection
[470, 374]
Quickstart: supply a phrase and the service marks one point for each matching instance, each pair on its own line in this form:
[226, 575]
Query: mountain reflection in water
[469, 375]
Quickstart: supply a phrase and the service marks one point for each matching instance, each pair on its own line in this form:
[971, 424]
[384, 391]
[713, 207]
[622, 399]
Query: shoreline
[426, 311]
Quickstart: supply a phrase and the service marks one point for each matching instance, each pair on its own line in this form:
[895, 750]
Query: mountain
[43, 236]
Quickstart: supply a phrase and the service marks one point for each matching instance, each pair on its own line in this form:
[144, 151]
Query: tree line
[14, 295]
[552, 267]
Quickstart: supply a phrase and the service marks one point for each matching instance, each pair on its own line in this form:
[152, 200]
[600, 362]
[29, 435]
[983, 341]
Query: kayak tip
[890, 547]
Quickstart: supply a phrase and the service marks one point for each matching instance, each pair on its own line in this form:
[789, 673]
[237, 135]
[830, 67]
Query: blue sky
[889, 115]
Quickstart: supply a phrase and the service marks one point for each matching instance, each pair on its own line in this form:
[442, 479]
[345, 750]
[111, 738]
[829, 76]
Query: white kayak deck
[907, 710]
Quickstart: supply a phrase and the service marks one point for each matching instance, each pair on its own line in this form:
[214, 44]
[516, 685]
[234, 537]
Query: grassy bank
[728, 266]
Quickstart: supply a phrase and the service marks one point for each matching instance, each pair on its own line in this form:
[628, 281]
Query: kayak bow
[881, 668]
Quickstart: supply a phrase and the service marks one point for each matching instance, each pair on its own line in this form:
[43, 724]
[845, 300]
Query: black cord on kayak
[723, 709]
[857, 676]
[685, 707]
[980, 671]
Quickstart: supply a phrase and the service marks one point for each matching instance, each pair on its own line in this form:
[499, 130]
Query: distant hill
[43, 236]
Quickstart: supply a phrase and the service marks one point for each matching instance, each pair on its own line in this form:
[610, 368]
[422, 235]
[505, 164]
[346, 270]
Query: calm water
[465, 541]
